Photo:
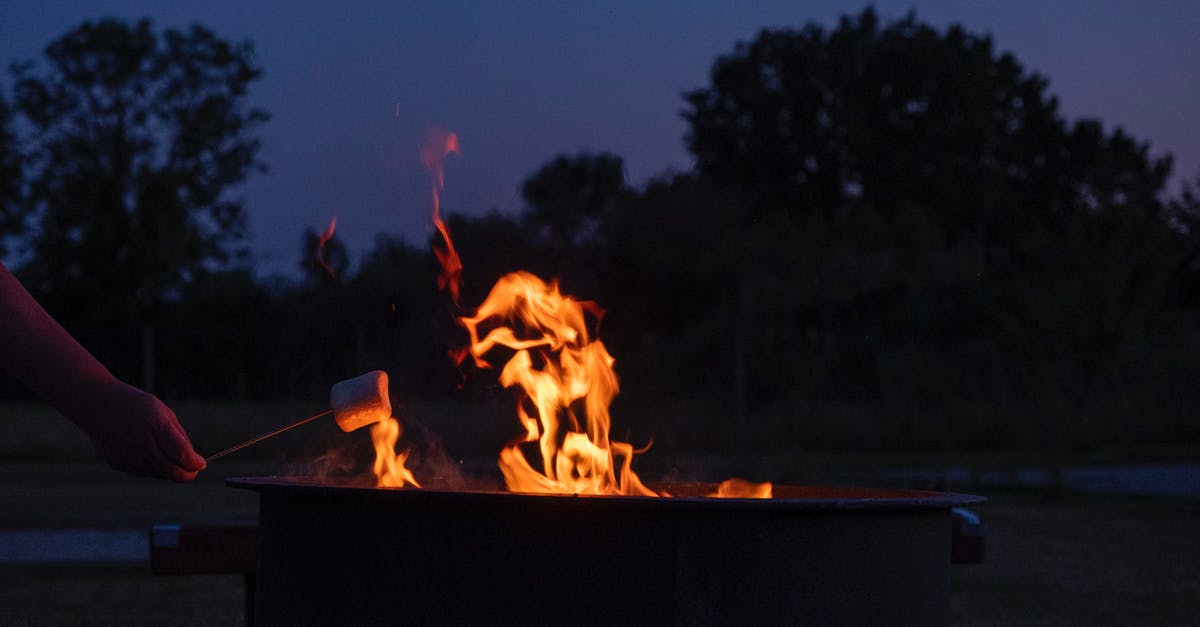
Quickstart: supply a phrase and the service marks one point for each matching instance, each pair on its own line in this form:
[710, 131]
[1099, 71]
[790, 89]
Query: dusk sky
[352, 88]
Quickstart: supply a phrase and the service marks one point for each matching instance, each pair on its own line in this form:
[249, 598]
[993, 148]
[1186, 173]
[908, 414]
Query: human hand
[135, 432]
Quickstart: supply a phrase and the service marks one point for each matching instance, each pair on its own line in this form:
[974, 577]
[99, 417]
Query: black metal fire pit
[340, 554]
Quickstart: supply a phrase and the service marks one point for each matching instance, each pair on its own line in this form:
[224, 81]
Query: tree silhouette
[1185, 211]
[568, 200]
[569, 195]
[11, 216]
[934, 208]
[878, 120]
[137, 138]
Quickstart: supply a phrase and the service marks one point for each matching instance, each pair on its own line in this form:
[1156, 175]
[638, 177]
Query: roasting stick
[238, 447]
[354, 403]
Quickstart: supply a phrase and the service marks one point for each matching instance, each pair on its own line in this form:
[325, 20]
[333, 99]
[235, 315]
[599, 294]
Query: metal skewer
[238, 447]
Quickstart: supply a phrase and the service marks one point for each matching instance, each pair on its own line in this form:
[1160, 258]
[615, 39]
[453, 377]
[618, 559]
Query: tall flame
[437, 146]
[564, 375]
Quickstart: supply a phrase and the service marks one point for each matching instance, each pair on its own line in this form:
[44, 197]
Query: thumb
[174, 443]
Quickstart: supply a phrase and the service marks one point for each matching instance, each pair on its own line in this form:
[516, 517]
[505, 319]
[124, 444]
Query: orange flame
[564, 375]
[324, 239]
[437, 146]
[742, 489]
[390, 471]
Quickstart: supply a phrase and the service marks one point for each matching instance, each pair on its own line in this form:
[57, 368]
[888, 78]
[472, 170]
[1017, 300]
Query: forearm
[130, 428]
[39, 353]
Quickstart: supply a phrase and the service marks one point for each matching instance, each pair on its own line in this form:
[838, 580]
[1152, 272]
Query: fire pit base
[352, 555]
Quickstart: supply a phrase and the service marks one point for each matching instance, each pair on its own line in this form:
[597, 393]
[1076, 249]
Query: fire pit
[346, 554]
[578, 538]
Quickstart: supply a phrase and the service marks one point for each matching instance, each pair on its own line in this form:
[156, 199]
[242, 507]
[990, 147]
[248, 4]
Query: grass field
[1083, 560]
[1074, 560]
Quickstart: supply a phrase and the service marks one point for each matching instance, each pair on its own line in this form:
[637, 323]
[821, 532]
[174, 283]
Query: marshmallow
[360, 401]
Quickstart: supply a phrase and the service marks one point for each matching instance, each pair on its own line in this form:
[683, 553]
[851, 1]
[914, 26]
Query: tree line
[892, 237]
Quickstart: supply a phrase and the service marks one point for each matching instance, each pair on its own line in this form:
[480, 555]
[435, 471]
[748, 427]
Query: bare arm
[132, 429]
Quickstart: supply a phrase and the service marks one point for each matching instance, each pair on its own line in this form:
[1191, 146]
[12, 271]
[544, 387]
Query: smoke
[432, 464]
[334, 457]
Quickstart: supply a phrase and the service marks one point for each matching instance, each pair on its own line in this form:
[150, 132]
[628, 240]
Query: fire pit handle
[966, 537]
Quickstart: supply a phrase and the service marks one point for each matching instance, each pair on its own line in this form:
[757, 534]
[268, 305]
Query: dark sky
[352, 88]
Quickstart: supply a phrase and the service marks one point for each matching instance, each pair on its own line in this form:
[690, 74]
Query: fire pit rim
[823, 497]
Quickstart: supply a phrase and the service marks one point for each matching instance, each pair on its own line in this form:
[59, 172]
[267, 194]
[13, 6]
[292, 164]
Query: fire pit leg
[968, 538]
[208, 550]
[250, 583]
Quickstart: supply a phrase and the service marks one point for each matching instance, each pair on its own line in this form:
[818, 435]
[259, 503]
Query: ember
[433, 155]
[322, 240]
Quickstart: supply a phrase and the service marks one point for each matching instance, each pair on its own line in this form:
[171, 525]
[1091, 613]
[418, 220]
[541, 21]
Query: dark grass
[1083, 560]
[90, 495]
[116, 594]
